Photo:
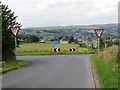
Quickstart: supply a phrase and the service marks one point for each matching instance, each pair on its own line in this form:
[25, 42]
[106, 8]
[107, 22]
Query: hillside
[78, 31]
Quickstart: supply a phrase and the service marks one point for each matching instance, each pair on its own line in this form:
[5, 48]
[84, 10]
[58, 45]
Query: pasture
[46, 47]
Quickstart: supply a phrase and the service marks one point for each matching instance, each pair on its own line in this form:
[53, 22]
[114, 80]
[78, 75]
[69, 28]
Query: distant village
[83, 36]
[80, 41]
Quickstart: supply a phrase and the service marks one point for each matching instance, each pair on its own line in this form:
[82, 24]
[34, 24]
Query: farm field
[46, 47]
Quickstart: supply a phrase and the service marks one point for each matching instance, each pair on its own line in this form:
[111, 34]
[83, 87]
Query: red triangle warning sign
[99, 32]
[14, 31]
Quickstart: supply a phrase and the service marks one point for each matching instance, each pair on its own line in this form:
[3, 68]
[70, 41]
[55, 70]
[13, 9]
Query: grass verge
[107, 77]
[11, 65]
[53, 53]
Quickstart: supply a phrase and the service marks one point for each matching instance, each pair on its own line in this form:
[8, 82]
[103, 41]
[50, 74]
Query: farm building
[64, 42]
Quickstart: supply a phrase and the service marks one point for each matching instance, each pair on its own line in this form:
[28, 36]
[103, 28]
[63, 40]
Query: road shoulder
[94, 75]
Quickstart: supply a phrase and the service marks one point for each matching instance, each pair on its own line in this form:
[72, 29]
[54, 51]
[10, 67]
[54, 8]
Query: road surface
[59, 71]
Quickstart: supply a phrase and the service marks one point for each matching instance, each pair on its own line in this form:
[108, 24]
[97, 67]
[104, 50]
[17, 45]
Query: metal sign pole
[98, 45]
[98, 34]
[15, 49]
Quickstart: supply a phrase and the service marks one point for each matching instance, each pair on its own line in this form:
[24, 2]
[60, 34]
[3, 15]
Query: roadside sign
[55, 49]
[98, 32]
[90, 44]
[14, 31]
[73, 49]
[53, 46]
[56, 43]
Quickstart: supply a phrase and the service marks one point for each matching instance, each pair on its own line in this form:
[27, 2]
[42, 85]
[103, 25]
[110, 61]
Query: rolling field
[46, 47]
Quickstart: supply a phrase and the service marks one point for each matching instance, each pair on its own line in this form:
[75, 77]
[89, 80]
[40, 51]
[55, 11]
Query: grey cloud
[60, 12]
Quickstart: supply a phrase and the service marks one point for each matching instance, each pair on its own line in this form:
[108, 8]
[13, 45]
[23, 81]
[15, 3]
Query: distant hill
[78, 31]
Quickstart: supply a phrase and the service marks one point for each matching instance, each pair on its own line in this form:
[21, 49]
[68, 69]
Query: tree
[71, 39]
[66, 39]
[82, 45]
[102, 43]
[59, 38]
[106, 42]
[31, 39]
[34, 39]
[8, 20]
[116, 42]
[76, 40]
[109, 42]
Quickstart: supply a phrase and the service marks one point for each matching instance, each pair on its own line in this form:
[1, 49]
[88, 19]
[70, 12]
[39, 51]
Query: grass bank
[53, 53]
[106, 66]
[11, 65]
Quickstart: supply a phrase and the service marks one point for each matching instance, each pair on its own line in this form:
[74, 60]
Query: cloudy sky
[34, 13]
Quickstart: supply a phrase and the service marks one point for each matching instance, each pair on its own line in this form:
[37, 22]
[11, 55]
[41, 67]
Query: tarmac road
[59, 71]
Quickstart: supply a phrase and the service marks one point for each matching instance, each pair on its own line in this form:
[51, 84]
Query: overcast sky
[37, 13]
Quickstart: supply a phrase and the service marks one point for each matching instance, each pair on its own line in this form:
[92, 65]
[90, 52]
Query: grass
[106, 67]
[11, 65]
[39, 47]
[52, 53]
[45, 49]
[110, 56]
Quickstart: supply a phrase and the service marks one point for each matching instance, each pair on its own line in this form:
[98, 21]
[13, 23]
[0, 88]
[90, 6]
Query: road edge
[94, 75]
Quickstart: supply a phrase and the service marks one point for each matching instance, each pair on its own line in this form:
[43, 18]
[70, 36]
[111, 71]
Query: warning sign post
[15, 31]
[99, 33]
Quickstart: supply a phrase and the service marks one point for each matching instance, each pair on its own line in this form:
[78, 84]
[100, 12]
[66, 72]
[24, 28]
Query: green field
[46, 47]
